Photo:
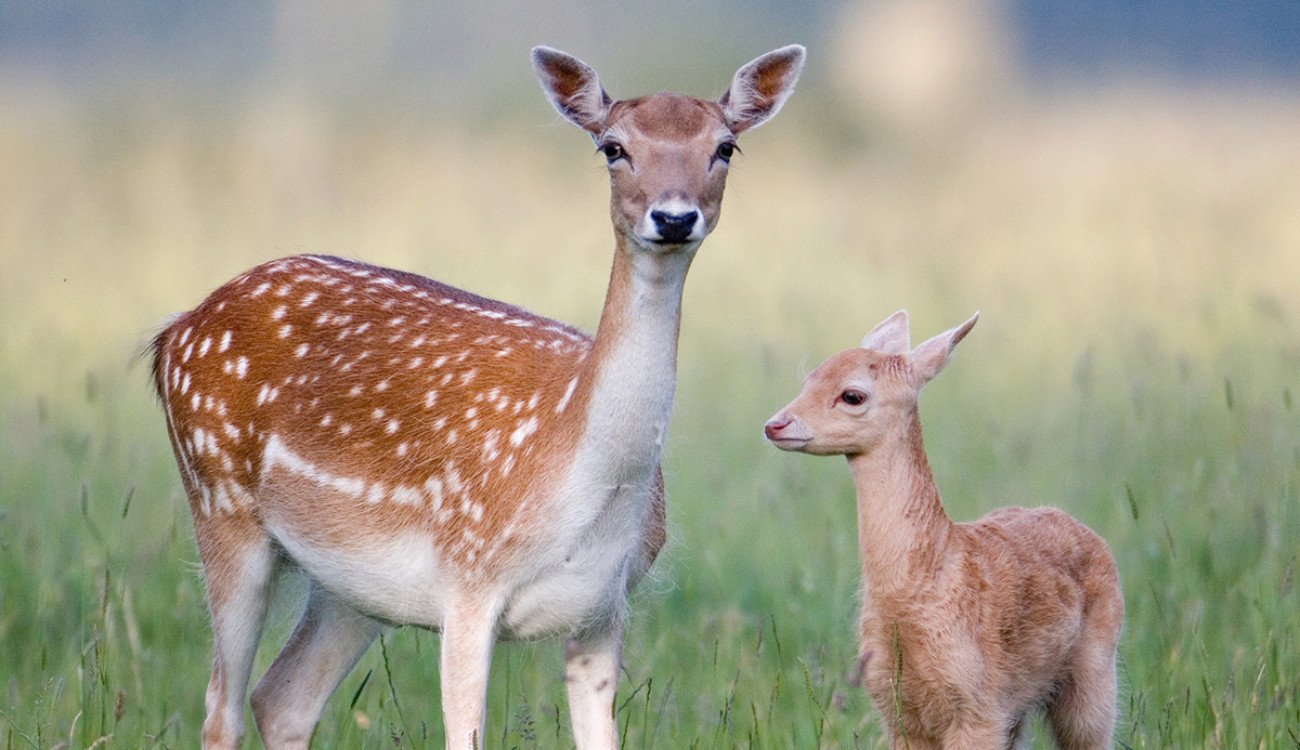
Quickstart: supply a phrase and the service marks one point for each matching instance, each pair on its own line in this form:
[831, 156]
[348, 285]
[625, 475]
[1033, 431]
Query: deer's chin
[791, 444]
[659, 246]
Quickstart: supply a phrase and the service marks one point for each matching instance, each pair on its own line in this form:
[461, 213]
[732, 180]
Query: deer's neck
[903, 531]
[627, 383]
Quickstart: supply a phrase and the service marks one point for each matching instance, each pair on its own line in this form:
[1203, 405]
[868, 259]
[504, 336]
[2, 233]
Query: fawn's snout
[787, 432]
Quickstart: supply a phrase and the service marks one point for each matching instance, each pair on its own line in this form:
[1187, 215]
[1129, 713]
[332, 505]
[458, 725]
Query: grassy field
[1135, 256]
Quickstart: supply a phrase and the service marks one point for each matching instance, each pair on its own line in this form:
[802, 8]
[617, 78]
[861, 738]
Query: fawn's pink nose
[774, 425]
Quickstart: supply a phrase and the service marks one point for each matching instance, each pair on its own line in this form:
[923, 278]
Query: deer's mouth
[790, 443]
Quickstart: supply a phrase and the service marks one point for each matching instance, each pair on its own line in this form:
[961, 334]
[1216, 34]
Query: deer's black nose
[674, 227]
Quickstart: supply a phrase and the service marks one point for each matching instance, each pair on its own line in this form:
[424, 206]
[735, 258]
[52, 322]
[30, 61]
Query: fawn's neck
[902, 527]
[628, 381]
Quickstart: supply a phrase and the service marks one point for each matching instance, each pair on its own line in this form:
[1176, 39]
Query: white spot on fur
[523, 431]
[568, 394]
[404, 495]
[302, 350]
[225, 342]
[241, 367]
[285, 330]
[434, 487]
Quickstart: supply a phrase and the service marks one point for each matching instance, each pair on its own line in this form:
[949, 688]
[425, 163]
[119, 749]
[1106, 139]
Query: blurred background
[1115, 184]
[152, 150]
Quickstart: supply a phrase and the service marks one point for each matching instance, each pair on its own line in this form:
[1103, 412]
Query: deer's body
[966, 627]
[464, 401]
[435, 458]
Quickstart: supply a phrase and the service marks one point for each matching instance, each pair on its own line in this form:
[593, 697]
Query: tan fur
[966, 627]
[436, 458]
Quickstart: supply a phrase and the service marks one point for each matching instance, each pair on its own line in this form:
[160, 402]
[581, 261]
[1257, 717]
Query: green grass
[1137, 363]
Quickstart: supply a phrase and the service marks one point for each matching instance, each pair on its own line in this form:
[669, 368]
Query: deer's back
[1044, 581]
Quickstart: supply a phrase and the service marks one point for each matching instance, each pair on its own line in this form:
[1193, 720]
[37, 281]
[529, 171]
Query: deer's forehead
[668, 117]
[859, 364]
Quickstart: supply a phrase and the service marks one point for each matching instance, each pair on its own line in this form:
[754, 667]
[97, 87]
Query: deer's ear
[573, 88]
[929, 358]
[890, 336]
[761, 87]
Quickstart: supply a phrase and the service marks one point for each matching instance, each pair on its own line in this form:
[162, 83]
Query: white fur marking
[568, 394]
[278, 454]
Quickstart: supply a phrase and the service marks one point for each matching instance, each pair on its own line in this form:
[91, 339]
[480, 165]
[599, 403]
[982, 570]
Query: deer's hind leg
[327, 642]
[239, 562]
[1082, 713]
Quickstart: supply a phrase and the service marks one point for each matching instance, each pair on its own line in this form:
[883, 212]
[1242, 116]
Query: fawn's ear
[573, 88]
[890, 336]
[929, 358]
[760, 88]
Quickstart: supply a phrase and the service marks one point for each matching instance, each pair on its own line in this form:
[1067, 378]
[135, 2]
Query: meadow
[1134, 253]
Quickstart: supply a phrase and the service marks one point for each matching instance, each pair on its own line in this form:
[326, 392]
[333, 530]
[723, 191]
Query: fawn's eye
[612, 151]
[853, 397]
[725, 150]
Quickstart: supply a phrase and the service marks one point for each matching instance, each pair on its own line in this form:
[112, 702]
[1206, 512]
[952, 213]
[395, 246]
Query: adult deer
[435, 458]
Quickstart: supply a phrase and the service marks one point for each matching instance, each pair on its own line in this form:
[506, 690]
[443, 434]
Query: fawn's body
[435, 458]
[966, 627]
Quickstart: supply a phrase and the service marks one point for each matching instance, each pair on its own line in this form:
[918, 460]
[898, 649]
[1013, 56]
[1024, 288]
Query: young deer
[966, 627]
[435, 458]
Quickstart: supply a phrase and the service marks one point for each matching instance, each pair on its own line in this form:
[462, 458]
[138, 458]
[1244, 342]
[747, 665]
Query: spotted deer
[966, 627]
[431, 457]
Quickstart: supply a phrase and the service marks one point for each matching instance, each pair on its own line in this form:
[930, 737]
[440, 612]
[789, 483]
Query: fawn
[966, 627]
[431, 457]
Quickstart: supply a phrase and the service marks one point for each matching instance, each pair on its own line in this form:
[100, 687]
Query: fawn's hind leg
[238, 565]
[1082, 713]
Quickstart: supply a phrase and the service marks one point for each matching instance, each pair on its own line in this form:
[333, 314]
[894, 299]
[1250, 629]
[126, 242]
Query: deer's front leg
[591, 666]
[468, 634]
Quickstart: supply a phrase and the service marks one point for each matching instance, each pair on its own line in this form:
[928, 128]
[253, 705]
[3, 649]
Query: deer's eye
[853, 397]
[726, 150]
[612, 151]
